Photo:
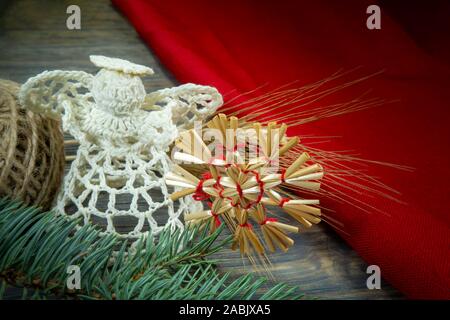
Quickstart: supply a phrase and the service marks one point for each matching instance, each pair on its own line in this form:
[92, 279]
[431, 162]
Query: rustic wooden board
[34, 38]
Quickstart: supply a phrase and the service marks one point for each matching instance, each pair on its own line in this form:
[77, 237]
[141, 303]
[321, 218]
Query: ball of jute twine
[31, 151]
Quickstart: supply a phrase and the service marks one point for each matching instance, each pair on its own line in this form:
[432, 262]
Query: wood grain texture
[34, 38]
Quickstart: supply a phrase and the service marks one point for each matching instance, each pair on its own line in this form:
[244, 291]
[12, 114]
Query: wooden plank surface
[34, 38]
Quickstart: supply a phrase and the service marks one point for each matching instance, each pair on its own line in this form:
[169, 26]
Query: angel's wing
[188, 102]
[48, 92]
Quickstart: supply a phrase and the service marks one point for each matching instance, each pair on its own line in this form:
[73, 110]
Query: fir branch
[36, 249]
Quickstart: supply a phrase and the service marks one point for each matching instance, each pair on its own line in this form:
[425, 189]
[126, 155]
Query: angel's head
[117, 88]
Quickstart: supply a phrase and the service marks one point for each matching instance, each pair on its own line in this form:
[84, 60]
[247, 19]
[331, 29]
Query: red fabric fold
[237, 46]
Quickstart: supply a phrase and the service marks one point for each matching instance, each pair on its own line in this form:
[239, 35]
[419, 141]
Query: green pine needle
[37, 248]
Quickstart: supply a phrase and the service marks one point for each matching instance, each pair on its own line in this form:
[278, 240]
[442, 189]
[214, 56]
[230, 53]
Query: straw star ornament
[238, 175]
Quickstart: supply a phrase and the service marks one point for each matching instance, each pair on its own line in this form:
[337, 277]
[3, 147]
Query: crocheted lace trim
[122, 157]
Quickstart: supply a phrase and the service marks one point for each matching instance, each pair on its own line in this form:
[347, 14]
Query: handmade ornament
[239, 175]
[31, 151]
[124, 136]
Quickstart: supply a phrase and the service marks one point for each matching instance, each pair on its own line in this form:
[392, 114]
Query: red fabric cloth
[239, 45]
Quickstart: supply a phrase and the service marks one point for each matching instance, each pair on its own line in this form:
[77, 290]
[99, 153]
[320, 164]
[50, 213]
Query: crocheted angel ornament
[124, 137]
